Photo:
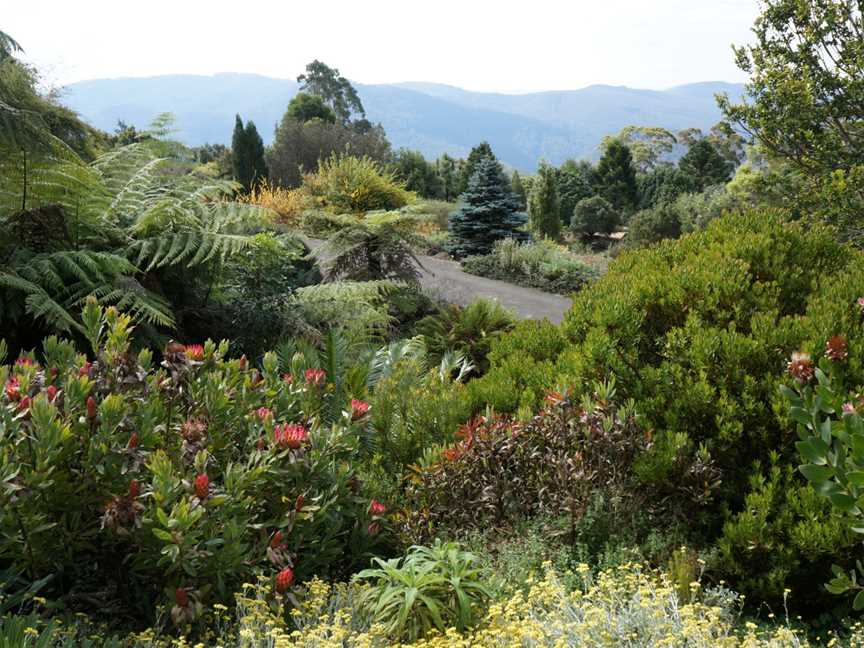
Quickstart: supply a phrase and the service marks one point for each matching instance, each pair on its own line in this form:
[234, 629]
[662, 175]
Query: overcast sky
[485, 45]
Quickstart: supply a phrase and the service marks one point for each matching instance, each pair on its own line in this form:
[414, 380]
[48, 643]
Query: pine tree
[615, 177]
[544, 219]
[518, 189]
[247, 154]
[489, 212]
[705, 165]
[479, 152]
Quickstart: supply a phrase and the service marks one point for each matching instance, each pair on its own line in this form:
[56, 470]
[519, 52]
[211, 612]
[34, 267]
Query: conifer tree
[518, 189]
[479, 152]
[489, 212]
[615, 177]
[247, 154]
[705, 165]
[544, 219]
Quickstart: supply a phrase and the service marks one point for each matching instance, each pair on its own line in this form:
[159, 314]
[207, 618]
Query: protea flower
[290, 435]
[195, 352]
[193, 430]
[133, 488]
[85, 369]
[24, 361]
[298, 503]
[315, 377]
[373, 529]
[801, 368]
[24, 404]
[91, 408]
[13, 389]
[377, 508]
[836, 348]
[358, 409]
[133, 441]
[264, 413]
[202, 486]
[51, 392]
[277, 539]
[284, 580]
[244, 362]
[288, 379]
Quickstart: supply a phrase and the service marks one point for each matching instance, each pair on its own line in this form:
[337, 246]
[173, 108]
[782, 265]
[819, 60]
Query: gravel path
[446, 280]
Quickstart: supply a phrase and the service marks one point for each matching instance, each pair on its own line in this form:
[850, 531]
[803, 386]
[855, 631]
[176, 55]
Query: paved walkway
[445, 279]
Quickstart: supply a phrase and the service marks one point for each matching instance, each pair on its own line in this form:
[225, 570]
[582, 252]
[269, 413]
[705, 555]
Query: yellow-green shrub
[347, 184]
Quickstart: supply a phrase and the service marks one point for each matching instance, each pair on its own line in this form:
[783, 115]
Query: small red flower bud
[287, 378]
[13, 389]
[284, 580]
[264, 413]
[277, 539]
[23, 362]
[243, 362]
[133, 488]
[51, 391]
[181, 596]
[85, 369]
[202, 486]
[91, 407]
[53, 372]
[377, 508]
[133, 440]
[24, 404]
[373, 528]
[298, 504]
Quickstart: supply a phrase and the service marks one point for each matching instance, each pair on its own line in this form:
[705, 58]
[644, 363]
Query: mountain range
[432, 118]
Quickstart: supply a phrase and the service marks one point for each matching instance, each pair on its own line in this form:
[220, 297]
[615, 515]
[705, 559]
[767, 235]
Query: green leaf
[816, 474]
[812, 451]
[843, 501]
[858, 603]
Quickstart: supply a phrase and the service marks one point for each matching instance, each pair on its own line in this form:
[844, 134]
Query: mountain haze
[432, 118]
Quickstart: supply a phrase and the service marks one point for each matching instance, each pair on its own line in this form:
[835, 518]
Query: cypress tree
[615, 177]
[240, 165]
[489, 212]
[544, 218]
[255, 148]
[518, 189]
[247, 154]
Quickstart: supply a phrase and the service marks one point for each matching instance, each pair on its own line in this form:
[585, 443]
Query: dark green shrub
[698, 331]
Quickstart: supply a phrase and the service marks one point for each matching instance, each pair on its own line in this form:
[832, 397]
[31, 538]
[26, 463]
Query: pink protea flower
[85, 369]
[195, 352]
[836, 348]
[24, 404]
[290, 435]
[358, 409]
[264, 413]
[315, 377]
[800, 367]
[284, 580]
[24, 362]
[202, 486]
[377, 508]
[13, 389]
[288, 379]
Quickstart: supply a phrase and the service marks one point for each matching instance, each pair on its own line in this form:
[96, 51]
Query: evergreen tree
[574, 183]
[489, 212]
[518, 189]
[615, 177]
[247, 154]
[593, 216]
[705, 165]
[445, 167]
[305, 107]
[479, 152]
[544, 218]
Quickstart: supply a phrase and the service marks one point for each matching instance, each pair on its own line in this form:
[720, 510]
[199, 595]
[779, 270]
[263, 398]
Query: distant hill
[432, 118]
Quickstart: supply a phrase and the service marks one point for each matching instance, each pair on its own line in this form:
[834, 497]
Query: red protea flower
[51, 392]
[91, 408]
[133, 441]
[133, 488]
[373, 529]
[836, 348]
[358, 409]
[85, 369]
[298, 503]
[24, 362]
[277, 539]
[202, 486]
[452, 453]
[181, 596]
[195, 352]
[13, 389]
[290, 435]
[244, 362]
[288, 378]
[801, 368]
[264, 413]
[377, 508]
[24, 404]
[315, 377]
[284, 580]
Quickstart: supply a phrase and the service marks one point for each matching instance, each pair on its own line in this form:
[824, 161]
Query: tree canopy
[334, 89]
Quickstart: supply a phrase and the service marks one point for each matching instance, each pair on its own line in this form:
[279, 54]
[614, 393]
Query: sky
[481, 45]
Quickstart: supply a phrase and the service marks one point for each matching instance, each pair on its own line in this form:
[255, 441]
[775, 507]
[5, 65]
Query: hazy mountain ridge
[433, 118]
